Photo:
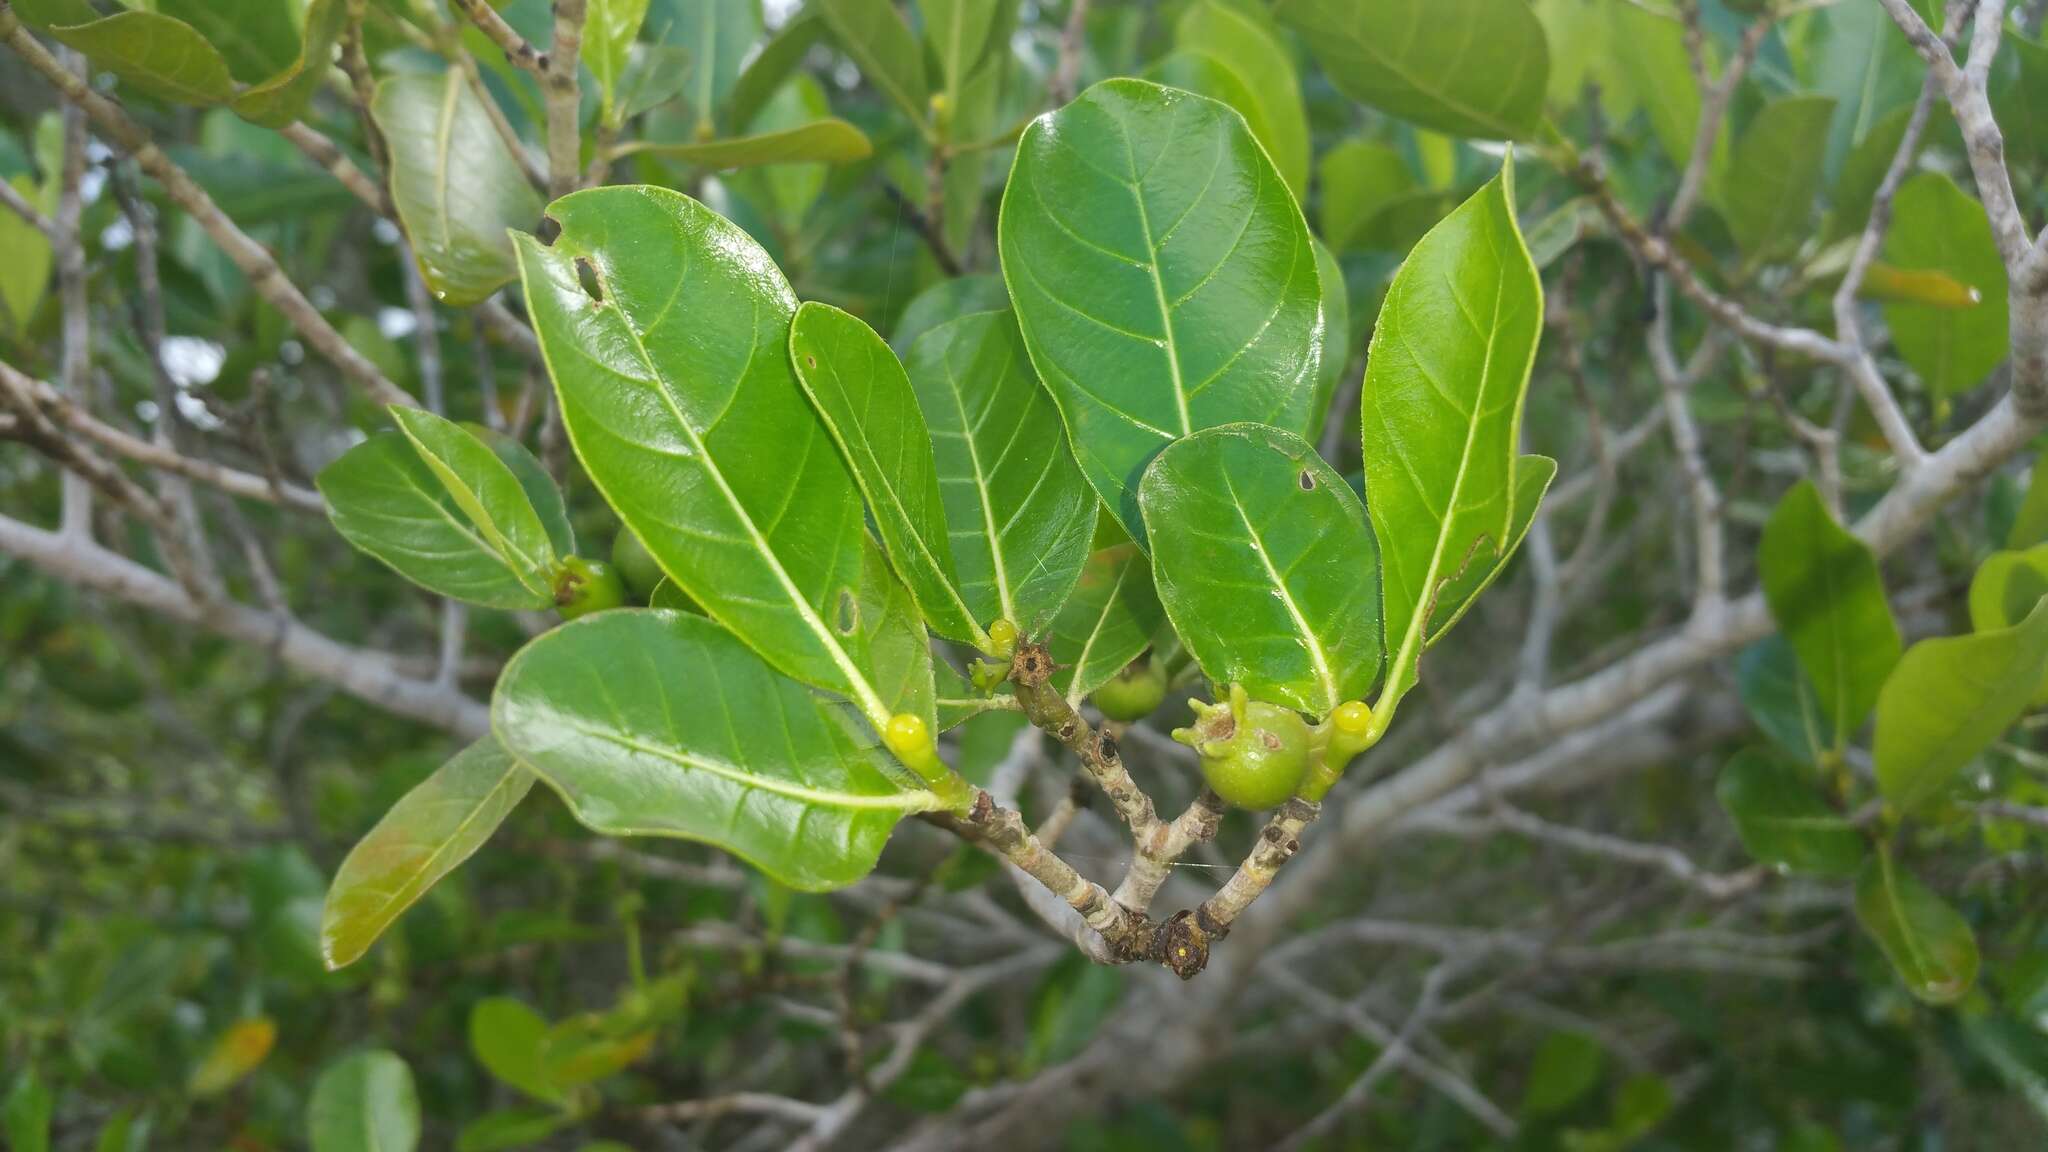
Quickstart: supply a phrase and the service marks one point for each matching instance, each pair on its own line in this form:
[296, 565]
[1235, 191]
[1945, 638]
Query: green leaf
[1336, 338]
[1247, 45]
[1862, 171]
[1108, 622]
[656, 723]
[1442, 404]
[1779, 698]
[677, 393]
[1466, 67]
[278, 100]
[1928, 942]
[541, 493]
[510, 1040]
[1783, 822]
[1767, 190]
[717, 35]
[1533, 475]
[456, 186]
[2030, 523]
[1651, 47]
[511, 1128]
[609, 29]
[488, 493]
[1939, 227]
[1949, 698]
[257, 38]
[958, 31]
[384, 499]
[1824, 590]
[1142, 342]
[864, 397]
[1017, 509]
[365, 1102]
[2021, 104]
[828, 141]
[25, 1113]
[432, 829]
[947, 300]
[767, 71]
[154, 54]
[1359, 177]
[1566, 1068]
[2008, 586]
[25, 274]
[1265, 565]
[889, 56]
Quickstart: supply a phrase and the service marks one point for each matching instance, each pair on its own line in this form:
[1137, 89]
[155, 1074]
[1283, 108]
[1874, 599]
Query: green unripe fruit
[1254, 754]
[584, 586]
[636, 565]
[1132, 694]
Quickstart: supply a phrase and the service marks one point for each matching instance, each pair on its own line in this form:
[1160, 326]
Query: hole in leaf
[586, 275]
[849, 612]
[549, 231]
[1308, 481]
[810, 361]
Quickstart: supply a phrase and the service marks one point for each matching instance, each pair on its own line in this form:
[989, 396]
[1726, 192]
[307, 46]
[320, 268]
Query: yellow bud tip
[1002, 636]
[1352, 718]
[907, 736]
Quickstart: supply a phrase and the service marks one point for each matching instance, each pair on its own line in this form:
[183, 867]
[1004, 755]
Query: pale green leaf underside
[456, 186]
[862, 394]
[1162, 276]
[155, 54]
[828, 141]
[1017, 509]
[387, 502]
[1533, 475]
[678, 396]
[1441, 411]
[426, 835]
[1266, 566]
[364, 1102]
[486, 490]
[659, 723]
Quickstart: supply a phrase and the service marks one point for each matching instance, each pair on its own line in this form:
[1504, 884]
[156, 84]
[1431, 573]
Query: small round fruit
[1254, 754]
[1132, 694]
[636, 565]
[584, 586]
[1002, 638]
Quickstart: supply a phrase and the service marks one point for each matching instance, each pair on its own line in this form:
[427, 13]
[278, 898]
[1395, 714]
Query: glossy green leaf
[510, 1040]
[426, 835]
[1265, 565]
[1939, 227]
[279, 99]
[1017, 509]
[154, 54]
[873, 33]
[457, 188]
[1767, 190]
[677, 393]
[657, 723]
[1533, 475]
[864, 397]
[609, 29]
[1782, 820]
[1949, 698]
[1929, 943]
[1442, 403]
[365, 1102]
[488, 493]
[1359, 177]
[25, 274]
[1162, 275]
[1466, 67]
[1243, 40]
[947, 300]
[1824, 591]
[384, 499]
[1108, 622]
[828, 141]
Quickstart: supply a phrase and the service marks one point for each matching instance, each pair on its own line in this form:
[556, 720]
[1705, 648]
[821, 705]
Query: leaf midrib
[914, 800]
[513, 771]
[981, 488]
[1317, 655]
